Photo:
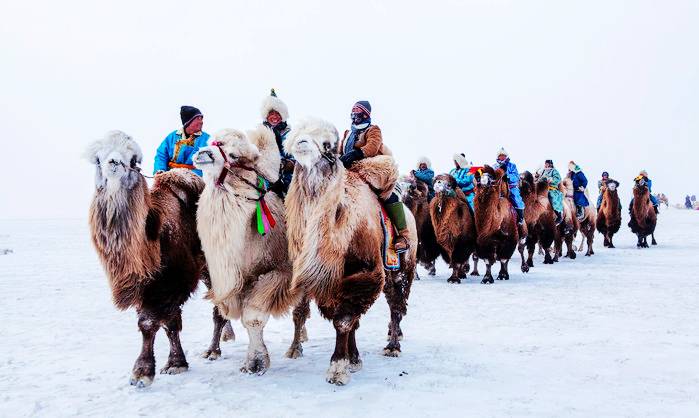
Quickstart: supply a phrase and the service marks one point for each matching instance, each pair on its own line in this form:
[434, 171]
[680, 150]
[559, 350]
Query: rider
[649, 183]
[512, 174]
[579, 184]
[463, 176]
[275, 114]
[364, 140]
[425, 174]
[553, 177]
[179, 146]
[604, 182]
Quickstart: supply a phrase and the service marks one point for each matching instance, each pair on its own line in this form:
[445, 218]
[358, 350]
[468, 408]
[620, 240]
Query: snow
[612, 335]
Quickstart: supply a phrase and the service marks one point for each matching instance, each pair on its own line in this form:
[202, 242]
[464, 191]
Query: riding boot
[580, 212]
[521, 228]
[396, 212]
[656, 210]
[559, 218]
[520, 216]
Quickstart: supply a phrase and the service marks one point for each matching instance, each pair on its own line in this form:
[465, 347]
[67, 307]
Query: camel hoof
[211, 354]
[227, 334]
[487, 280]
[258, 365]
[454, 280]
[141, 381]
[475, 273]
[525, 269]
[168, 369]
[294, 352]
[572, 255]
[337, 373]
[356, 366]
[391, 352]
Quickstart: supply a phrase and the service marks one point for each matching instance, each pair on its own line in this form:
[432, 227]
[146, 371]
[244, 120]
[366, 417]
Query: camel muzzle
[204, 157]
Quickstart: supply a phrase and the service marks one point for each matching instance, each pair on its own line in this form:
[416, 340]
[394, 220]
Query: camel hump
[380, 173]
[186, 185]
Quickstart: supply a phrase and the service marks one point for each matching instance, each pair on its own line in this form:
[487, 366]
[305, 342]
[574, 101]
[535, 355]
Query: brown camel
[335, 239]
[148, 245]
[247, 258]
[609, 214]
[570, 219]
[496, 223]
[539, 216]
[643, 217]
[415, 198]
[454, 226]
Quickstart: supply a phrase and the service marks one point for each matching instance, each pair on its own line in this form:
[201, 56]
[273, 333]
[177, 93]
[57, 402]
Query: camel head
[116, 158]
[611, 186]
[237, 147]
[444, 184]
[312, 141]
[488, 176]
[640, 186]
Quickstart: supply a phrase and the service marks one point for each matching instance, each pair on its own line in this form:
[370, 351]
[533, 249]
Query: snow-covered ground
[612, 335]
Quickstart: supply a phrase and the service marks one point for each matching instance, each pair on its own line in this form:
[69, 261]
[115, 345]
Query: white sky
[611, 84]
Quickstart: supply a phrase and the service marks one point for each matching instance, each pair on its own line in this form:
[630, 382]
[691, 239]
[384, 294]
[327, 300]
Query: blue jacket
[427, 177]
[512, 181]
[175, 150]
[463, 179]
[579, 180]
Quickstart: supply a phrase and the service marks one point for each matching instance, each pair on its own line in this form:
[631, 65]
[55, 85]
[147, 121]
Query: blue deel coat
[555, 195]
[464, 180]
[426, 176]
[512, 181]
[579, 180]
[176, 150]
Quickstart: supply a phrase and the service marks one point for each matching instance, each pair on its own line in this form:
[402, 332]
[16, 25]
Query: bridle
[263, 182]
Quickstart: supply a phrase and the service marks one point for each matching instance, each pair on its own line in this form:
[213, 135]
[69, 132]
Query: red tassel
[270, 218]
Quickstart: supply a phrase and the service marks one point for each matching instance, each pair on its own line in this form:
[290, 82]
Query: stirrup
[399, 239]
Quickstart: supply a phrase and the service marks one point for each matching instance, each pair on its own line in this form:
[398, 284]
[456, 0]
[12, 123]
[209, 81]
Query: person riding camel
[603, 183]
[179, 146]
[364, 140]
[464, 178]
[275, 114]
[553, 177]
[649, 183]
[425, 174]
[579, 184]
[503, 162]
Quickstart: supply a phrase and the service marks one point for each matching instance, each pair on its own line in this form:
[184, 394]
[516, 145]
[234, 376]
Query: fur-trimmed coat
[370, 141]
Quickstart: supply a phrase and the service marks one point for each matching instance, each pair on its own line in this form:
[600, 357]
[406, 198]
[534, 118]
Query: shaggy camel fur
[454, 226]
[250, 272]
[415, 198]
[148, 245]
[643, 217]
[569, 218]
[609, 214]
[539, 216]
[335, 239]
[496, 223]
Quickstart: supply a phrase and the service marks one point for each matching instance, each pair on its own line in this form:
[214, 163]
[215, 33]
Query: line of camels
[259, 255]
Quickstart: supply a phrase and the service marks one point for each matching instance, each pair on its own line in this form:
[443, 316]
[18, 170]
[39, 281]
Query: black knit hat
[188, 113]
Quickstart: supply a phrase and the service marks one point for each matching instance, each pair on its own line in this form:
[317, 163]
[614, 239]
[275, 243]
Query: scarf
[354, 135]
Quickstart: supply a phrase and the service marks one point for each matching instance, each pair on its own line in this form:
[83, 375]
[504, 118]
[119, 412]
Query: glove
[352, 156]
[581, 189]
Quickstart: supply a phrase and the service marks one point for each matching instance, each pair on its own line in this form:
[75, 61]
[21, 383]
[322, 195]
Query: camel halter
[264, 219]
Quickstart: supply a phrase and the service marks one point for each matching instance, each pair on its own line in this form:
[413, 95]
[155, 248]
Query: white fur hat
[272, 102]
[424, 160]
[461, 160]
[502, 152]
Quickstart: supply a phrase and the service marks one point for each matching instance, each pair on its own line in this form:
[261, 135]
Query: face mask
[358, 118]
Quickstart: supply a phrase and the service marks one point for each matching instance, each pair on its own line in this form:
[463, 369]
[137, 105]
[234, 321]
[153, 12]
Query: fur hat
[643, 173]
[573, 167]
[461, 160]
[503, 152]
[424, 160]
[272, 102]
[188, 113]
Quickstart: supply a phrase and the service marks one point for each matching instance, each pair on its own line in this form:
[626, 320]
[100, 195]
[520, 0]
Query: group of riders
[364, 140]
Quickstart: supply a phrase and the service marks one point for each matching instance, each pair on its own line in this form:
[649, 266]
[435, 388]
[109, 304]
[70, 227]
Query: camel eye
[232, 156]
[326, 145]
[133, 161]
[97, 160]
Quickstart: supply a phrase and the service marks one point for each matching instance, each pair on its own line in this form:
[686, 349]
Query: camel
[243, 234]
[147, 243]
[335, 239]
[454, 226]
[609, 213]
[643, 217]
[496, 224]
[415, 198]
[586, 226]
[539, 216]
[570, 219]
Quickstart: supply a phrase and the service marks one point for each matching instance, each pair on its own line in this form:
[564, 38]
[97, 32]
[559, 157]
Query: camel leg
[582, 242]
[338, 372]
[254, 321]
[525, 266]
[393, 289]
[611, 241]
[488, 277]
[227, 334]
[590, 240]
[531, 248]
[653, 241]
[454, 278]
[475, 266]
[301, 313]
[176, 361]
[144, 369]
[547, 256]
[606, 240]
[214, 350]
[503, 274]
[569, 245]
[355, 362]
